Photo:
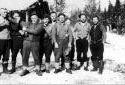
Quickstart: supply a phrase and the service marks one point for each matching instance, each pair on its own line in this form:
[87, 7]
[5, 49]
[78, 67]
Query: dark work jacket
[15, 27]
[33, 31]
[96, 34]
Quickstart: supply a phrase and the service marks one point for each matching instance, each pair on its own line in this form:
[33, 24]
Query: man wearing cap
[82, 29]
[62, 36]
[97, 38]
[31, 44]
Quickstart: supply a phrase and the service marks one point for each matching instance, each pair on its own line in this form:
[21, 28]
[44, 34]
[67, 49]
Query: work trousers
[31, 46]
[4, 50]
[82, 47]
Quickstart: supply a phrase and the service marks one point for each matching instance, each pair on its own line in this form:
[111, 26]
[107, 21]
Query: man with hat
[31, 43]
[62, 36]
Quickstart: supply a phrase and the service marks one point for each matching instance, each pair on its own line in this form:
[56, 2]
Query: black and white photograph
[62, 42]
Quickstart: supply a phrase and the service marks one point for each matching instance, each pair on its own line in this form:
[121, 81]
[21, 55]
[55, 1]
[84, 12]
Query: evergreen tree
[117, 8]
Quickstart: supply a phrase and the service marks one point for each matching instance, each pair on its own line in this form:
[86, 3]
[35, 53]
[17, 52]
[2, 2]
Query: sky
[71, 4]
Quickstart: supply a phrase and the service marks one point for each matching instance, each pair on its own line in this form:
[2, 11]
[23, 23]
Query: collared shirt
[62, 31]
[82, 29]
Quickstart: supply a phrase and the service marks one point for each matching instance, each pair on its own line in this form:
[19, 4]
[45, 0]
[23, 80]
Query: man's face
[53, 16]
[46, 20]
[16, 16]
[68, 22]
[3, 13]
[61, 18]
[34, 18]
[83, 18]
[95, 20]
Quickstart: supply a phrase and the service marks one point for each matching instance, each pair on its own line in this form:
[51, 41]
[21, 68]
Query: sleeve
[35, 31]
[75, 27]
[103, 29]
[54, 33]
[70, 34]
[104, 33]
[3, 27]
[24, 24]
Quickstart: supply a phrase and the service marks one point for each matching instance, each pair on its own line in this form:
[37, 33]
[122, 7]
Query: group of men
[53, 33]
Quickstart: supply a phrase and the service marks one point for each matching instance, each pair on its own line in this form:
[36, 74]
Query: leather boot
[24, 72]
[5, 66]
[95, 66]
[13, 68]
[57, 69]
[47, 67]
[86, 67]
[38, 72]
[67, 65]
[101, 66]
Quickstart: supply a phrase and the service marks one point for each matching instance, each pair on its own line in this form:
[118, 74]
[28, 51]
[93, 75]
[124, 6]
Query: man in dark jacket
[31, 44]
[97, 38]
[16, 38]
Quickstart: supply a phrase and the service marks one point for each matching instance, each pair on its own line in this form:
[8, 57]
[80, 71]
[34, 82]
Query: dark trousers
[4, 49]
[82, 47]
[31, 46]
[46, 48]
[16, 46]
[97, 53]
[61, 51]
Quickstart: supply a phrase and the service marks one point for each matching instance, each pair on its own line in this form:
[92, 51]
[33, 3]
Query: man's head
[61, 17]
[68, 21]
[46, 19]
[95, 19]
[82, 17]
[53, 16]
[3, 12]
[16, 15]
[34, 18]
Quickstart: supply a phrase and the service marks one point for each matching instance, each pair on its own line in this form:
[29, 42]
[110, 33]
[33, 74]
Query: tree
[110, 10]
[58, 6]
[117, 8]
[90, 9]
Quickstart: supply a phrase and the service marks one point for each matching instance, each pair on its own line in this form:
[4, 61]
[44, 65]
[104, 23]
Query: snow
[113, 51]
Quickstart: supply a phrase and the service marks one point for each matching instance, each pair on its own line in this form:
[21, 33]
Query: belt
[95, 42]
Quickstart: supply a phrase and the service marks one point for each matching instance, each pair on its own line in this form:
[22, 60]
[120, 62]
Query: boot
[78, 66]
[86, 67]
[101, 66]
[57, 69]
[95, 66]
[69, 71]
[39, 72]
[13, 68]
[62, 67]
[25, 72]
[47, 67]
[67, 65]
[5, 70]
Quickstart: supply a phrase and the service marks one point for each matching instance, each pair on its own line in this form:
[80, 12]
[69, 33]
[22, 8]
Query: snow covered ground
[115, 51]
